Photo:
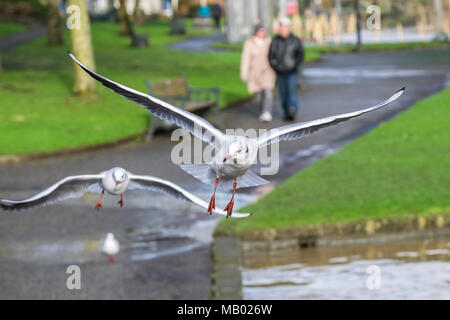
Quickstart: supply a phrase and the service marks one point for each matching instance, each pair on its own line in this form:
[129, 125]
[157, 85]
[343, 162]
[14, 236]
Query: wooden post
[351, 24]
[399, 32]
[335, 30]
[318, 33]
[438, 15]
[297, 27]
[420, 29]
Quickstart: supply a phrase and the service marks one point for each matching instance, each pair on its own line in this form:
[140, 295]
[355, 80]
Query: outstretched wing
[164, 186]
[298, 130]
[196, 125]
[67, 188]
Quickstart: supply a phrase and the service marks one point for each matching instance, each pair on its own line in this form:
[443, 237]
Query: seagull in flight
[114, 181]
[234, 154]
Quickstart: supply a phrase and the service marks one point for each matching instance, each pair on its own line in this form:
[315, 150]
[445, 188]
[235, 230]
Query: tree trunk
[82, 49]
[124, 20]
[358, 25]
[54, 24]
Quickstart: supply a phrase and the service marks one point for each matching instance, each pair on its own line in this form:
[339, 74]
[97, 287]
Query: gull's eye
[246, 150]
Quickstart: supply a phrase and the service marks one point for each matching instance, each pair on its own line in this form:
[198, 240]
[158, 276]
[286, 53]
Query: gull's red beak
[117, 182]
[227, 157]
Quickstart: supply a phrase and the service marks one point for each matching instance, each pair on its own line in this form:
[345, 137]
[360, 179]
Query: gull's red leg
[212, 202]
[99, 203]
[120, 202]
[229, 207]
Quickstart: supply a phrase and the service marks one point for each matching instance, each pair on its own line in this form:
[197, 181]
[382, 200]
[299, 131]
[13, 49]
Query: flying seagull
[235, 154]
[115, 181]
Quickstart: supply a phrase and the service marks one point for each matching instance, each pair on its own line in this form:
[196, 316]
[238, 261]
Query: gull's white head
[119, 175]
[238, 150]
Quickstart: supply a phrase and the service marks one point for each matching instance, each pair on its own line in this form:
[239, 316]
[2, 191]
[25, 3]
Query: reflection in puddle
[414, 269]
[65, 251]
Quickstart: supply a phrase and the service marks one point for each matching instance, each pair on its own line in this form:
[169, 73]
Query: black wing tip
[402, 89]
[6, 207]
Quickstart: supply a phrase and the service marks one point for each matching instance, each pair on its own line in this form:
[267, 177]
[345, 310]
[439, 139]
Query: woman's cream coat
[255, 68]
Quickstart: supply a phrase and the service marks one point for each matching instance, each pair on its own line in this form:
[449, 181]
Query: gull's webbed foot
[120, 202]
[229, 208]
[212, 204]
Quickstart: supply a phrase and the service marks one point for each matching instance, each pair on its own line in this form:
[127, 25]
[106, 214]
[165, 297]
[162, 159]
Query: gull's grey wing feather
[297, 130]
[164, 186]
[196, 125]
[67, 188]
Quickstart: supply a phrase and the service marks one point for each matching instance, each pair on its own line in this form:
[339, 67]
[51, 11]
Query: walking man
[285, 56]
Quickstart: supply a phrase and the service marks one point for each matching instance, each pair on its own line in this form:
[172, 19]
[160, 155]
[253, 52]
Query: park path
[17, 39]
[166, 245]
[199, 43]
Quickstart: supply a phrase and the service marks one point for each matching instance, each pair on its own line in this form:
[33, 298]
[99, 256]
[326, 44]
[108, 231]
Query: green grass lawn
[399, 169]
[39, 112]
[9, 28]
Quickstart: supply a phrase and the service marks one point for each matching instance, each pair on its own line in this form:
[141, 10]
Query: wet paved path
[199, 43]
[17, 39]
[166, 244]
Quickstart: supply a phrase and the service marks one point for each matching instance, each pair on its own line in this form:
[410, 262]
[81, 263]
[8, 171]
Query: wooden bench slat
[171, 88]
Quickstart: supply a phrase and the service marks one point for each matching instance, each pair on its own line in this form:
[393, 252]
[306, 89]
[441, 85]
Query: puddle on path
[413, 269]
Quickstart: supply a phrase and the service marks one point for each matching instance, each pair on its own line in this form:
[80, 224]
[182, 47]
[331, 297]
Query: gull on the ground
[111, 247]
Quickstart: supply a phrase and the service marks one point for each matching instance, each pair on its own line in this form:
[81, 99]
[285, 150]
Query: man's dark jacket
[285, 54]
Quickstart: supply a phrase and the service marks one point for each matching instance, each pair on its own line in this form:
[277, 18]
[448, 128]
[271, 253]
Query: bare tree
[358, 25]
[126, 28]
[82, 49]
[54, 24]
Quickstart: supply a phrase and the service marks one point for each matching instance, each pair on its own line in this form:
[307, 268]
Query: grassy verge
[9, 28]
[40, 114]
[398, 170]
[314, 52]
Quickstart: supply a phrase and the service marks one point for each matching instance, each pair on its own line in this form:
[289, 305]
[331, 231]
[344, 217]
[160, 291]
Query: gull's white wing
[196, 125]
[164, 186]
[297, 130]
[67, 188]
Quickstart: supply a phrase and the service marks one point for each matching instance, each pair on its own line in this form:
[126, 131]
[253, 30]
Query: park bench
[179, 93]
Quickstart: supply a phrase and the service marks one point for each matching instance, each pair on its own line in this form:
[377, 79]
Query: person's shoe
[292, 114]
[289, 117]
[265, 117]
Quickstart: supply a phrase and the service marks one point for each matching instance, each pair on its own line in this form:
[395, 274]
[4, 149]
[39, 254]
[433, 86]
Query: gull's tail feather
[251, 179]
[202, 172]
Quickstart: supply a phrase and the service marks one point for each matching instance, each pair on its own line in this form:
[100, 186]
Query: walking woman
[256, 71]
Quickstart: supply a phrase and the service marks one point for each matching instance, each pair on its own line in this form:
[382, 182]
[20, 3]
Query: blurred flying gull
[115, 181]
[234, 154]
